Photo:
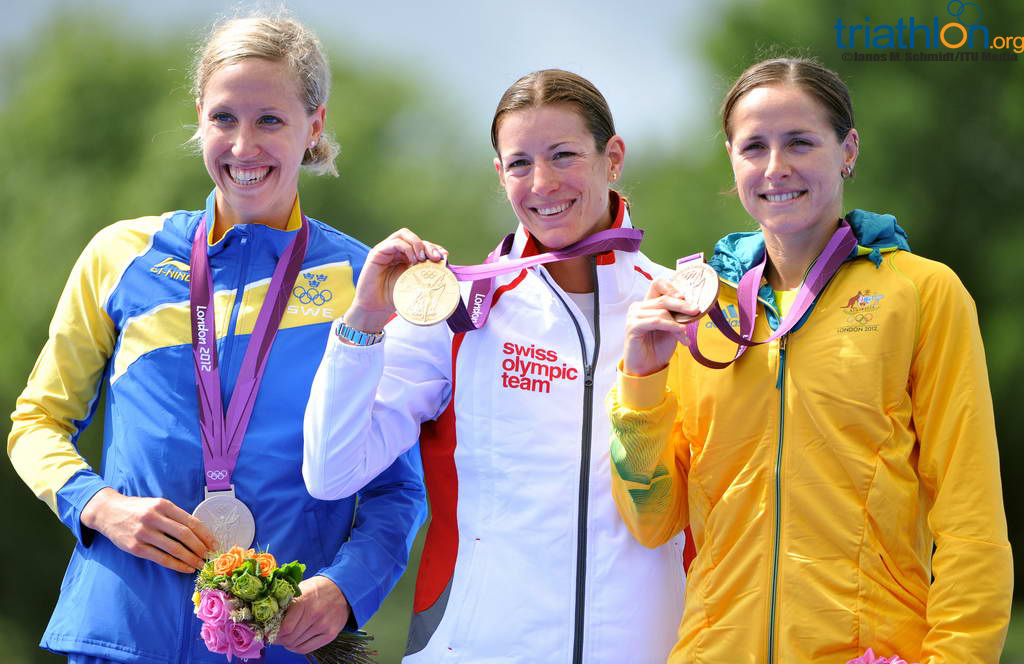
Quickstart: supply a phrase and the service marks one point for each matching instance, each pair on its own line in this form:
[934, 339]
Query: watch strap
[357, 337]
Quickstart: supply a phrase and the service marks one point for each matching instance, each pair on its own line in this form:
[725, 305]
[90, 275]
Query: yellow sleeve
[649, 457]
[62, 388]
[969, 600]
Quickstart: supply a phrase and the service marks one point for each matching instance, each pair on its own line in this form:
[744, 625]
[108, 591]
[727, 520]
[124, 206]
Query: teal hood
[738, 252]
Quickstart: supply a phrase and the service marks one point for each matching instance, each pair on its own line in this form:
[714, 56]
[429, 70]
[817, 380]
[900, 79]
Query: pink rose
[213, 607]
[244, 642]
[869, 657]
[216, 638]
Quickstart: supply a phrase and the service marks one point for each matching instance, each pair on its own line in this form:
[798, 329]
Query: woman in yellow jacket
[841, 482]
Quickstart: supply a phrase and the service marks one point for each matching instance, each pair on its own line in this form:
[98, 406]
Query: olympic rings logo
[217, 474]
[859, 318]
[312, 295]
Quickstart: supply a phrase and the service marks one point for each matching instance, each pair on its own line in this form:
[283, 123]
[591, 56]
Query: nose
[545, 179]
[777, 168]
[245, 144]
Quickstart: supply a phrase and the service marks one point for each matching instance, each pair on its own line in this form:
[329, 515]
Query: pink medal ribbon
[222, 436]
[481, 293]
[839, 247]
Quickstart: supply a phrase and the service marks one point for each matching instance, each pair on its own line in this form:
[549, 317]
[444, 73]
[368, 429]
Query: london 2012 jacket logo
[861, 310]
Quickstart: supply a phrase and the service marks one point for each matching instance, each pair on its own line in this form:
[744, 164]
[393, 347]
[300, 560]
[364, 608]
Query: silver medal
[228, 517]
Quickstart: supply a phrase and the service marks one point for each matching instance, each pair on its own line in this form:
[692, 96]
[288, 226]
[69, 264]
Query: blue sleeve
[391, 510]
[72, 498]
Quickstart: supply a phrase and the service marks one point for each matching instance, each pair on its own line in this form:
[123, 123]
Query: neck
[573, 276]
[576, 275]
[790, 255]
[225, 218]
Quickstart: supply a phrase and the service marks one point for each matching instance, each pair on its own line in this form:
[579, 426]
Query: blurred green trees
[95, 121]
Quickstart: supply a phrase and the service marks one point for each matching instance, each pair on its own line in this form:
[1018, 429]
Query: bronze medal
[697, 283]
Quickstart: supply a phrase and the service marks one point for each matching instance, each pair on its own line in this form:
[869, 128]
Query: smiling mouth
[553, 210]
[247, 176]
[782, 198]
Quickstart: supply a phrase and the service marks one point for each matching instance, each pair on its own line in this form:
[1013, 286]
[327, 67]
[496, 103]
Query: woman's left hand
[315, 617]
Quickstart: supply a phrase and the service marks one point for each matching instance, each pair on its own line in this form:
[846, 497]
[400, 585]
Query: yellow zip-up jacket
[819, 472]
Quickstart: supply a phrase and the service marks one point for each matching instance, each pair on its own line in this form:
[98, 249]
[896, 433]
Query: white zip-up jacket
[526, 559]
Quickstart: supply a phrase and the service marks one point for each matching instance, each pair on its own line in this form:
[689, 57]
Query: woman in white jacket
[526, 559]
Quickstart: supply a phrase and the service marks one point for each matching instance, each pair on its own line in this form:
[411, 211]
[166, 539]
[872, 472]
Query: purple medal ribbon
[481, 293]
[222, 436]
[832, 256]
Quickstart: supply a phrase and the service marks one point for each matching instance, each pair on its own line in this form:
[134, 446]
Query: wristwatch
[357, 337]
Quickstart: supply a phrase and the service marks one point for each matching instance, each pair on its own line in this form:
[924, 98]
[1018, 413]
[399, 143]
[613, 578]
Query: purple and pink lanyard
[222, 434]
[838, 248]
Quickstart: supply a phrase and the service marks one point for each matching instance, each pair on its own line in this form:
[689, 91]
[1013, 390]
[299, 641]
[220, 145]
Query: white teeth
[778, 198]
[554, 210]
[248, 175]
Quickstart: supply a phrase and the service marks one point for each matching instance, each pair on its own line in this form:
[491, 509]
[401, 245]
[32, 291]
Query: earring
[313, 144]
[846, 172]
[615, 176]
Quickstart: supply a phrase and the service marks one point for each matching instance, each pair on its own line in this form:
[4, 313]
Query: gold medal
[697, 283]
[426, 293]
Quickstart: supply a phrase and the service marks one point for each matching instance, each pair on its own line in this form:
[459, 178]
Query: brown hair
[820, 83]
[278, 38]
[557, 86]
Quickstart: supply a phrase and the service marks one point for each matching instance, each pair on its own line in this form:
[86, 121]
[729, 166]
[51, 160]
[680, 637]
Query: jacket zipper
[588, 415]
[778, 497]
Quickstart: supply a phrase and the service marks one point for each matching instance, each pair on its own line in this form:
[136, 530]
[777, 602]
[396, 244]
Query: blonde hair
[279, 38]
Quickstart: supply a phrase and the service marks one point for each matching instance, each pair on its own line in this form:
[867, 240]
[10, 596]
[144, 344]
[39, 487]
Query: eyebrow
[549, 149]
[229, 107]
[788, 134]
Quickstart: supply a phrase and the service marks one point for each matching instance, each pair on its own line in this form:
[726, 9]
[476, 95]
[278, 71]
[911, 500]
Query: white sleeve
[367, 403]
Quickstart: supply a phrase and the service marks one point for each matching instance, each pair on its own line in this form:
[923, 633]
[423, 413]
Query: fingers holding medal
[377, 294]
[656, 324]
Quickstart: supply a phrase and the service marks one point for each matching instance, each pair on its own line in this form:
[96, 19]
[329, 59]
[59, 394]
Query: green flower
[246, 586]
[282, 590]
[264, 609]
[292, 571]
[206, 574]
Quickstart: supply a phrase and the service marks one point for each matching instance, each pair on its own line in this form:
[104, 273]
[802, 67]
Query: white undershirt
[585, 302]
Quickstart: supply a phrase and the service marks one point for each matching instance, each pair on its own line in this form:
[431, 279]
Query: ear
[500, 171]
[851, 148]
[199, 111]
[615, 151]
[319, 118]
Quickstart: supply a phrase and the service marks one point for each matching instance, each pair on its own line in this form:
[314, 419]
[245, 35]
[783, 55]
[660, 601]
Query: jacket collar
[614, 268]
[876, 234]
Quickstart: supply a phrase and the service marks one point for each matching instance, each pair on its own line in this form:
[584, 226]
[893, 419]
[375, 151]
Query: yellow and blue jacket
[122, 325]
[819, 472]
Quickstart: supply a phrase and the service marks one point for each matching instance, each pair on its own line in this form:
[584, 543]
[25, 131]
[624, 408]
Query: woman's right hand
[152, 528]
[651, 330]
[373, 306]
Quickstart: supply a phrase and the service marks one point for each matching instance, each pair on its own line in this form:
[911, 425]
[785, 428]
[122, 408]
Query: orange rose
[226, 563]
[266, 562]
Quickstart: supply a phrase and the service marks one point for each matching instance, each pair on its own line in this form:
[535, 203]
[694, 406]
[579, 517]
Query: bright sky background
[640, 55]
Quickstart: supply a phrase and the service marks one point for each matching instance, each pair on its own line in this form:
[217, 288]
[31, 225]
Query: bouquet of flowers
[869, 657]
[242, 596]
